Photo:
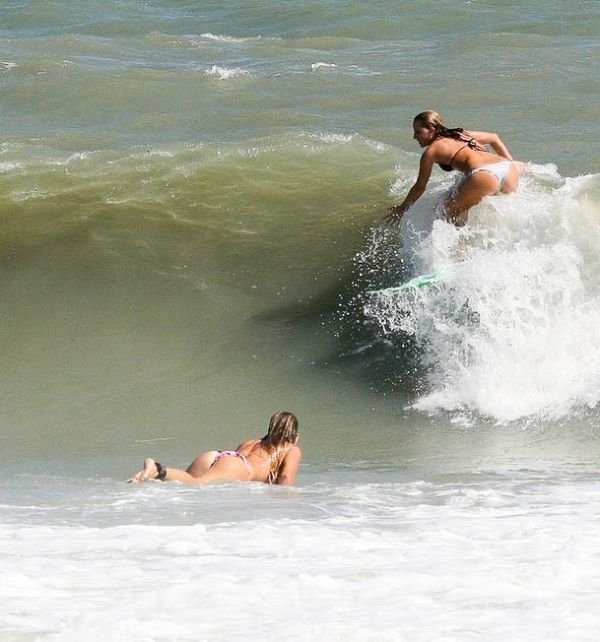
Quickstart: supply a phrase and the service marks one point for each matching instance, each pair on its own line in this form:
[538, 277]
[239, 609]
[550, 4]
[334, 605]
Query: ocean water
[191, 202]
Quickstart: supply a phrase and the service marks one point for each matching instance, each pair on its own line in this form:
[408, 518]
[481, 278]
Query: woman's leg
[468, 194]
[150, 471]
[202, 463]
[227, 469]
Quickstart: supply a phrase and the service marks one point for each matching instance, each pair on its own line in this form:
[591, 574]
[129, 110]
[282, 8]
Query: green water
[185, 189]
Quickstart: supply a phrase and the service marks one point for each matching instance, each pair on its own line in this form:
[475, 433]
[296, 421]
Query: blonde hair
[430, 118]
[283, 427]
[433, 120]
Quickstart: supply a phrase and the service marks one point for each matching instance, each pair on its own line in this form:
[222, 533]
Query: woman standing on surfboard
[485, 172]
[274, 459]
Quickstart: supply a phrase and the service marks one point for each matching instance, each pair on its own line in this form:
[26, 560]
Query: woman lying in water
[485, 172]
[274, 459]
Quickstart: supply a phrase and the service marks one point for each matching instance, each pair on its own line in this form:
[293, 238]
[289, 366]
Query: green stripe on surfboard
[416, 282]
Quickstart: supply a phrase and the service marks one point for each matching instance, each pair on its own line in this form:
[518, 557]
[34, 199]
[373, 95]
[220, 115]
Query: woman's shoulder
[440, 148]
[293, 452]
[443, 143]
[248, 445]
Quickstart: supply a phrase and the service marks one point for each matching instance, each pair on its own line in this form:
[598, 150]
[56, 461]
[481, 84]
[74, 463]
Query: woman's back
[264, 461]
[462, 155]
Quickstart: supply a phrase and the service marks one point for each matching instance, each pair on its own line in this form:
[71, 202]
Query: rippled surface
[190, 208]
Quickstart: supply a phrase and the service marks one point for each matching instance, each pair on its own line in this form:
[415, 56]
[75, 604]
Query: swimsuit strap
[471, 144]
[228, 453]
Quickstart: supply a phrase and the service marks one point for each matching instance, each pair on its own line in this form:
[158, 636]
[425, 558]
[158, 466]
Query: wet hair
[283, 427]
[433, 120]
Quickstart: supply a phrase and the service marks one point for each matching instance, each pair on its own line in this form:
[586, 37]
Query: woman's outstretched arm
[395, 213]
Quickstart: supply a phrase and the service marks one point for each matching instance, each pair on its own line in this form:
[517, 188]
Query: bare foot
[149, 471]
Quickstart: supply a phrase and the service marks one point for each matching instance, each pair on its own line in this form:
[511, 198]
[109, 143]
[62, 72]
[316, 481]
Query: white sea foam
[335, 138]
[10, 167]
[323, 66]
[225, 73]
[514, 330]
[494, 558]
[78, 156]
[354, 70]
[232, 39]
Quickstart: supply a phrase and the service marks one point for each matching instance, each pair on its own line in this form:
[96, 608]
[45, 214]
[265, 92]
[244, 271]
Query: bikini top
[471, 144]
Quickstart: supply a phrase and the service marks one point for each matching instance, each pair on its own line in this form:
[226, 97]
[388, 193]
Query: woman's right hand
[394, 215]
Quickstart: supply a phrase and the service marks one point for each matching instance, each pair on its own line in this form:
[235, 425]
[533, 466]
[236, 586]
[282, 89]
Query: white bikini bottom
[499, 170]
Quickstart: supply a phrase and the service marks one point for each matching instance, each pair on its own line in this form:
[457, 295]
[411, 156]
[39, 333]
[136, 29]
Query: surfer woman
[274, 459]
[485, 173]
